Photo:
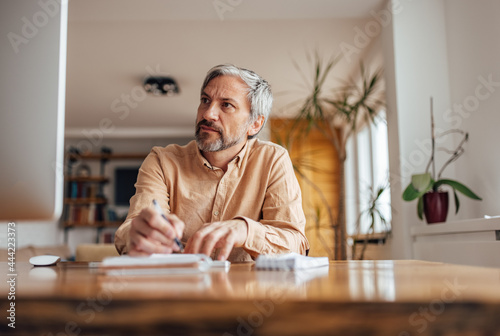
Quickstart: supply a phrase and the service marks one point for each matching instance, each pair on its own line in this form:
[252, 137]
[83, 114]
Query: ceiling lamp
[161, 86]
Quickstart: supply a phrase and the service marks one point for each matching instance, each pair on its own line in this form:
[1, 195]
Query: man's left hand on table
[218, 235]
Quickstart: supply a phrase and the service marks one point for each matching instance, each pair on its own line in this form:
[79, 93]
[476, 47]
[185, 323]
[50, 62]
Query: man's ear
[255, 127]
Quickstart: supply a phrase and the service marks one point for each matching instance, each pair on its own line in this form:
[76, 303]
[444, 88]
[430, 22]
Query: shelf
[473, 242]
[462, 226]
[86, 200]
[69, 224]
[99, 156]
[96, 200]
[99, 179]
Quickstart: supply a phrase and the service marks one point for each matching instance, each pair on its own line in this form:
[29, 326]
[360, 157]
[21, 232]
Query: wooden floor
[349, 298]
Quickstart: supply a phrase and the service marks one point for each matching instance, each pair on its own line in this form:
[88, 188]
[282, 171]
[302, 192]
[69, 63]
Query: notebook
[289, 261]
[160, 264]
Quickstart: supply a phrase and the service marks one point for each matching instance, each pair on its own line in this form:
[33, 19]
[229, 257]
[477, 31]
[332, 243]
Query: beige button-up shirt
[259, 187]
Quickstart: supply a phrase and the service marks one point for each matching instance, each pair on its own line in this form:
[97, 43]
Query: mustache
[207, 123]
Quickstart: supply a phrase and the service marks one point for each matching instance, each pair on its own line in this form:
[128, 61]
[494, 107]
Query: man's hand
[224, 235]
[150, 233]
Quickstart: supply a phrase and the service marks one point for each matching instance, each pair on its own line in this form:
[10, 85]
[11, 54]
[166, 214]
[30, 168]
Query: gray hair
[259, 91]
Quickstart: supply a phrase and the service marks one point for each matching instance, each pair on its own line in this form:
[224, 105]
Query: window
[367, 170]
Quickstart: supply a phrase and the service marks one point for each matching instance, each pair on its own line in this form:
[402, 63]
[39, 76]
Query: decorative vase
[436, 206]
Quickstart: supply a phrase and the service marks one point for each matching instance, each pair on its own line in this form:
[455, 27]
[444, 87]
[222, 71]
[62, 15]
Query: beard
[222, 142]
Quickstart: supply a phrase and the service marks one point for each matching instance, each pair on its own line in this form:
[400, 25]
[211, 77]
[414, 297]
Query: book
[289, 261]
[74, 190]
[160, 264]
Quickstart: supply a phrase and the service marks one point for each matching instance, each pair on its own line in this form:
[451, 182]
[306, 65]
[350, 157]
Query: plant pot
[436, 206]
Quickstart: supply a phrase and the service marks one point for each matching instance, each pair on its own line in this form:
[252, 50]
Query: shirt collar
[238, 159]
[200, 157]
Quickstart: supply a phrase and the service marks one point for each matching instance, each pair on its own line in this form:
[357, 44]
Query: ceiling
[151, 10]
[114, 44]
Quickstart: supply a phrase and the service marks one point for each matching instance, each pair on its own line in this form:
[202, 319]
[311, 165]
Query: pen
[160, 211]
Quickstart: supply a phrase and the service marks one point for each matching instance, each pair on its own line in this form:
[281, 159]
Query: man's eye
[204, 100]
[227, 105]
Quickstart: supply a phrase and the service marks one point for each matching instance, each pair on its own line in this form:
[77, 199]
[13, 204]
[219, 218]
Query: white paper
[289, 261]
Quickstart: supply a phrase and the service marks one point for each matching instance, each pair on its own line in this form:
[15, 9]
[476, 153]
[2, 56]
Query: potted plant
[428, 188]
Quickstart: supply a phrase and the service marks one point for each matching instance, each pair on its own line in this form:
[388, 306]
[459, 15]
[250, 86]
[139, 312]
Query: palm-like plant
[338, 115]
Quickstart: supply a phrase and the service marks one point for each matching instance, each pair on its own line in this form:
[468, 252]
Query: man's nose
[211, 113]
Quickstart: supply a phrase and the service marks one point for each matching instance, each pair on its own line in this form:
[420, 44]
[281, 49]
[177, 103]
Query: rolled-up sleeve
[282, 226]
[150, 185]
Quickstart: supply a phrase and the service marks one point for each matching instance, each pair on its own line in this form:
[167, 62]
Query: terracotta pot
[436, 206]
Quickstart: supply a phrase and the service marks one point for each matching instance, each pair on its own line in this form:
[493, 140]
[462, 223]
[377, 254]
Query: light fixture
[161, 86]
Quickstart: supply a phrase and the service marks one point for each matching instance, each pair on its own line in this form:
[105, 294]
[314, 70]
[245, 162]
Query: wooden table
[350, 298]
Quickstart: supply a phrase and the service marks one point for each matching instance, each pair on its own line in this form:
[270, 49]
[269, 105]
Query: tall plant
[338, 115]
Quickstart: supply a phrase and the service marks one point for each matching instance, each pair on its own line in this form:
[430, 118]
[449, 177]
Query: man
[225, 194]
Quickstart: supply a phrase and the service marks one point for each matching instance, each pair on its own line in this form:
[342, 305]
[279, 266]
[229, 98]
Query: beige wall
[109, 59]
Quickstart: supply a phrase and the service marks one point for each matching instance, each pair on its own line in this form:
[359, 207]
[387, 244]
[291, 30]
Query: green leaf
[420, 184]
[420, 208]
[460, 187]
[410, 193]
[421, 181]
[457, 202]
[380, 191]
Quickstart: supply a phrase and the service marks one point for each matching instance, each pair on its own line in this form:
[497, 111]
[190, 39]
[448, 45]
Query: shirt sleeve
[281, 229]
[150, 185]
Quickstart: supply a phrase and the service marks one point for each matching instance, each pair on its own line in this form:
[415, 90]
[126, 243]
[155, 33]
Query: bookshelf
[86, 203]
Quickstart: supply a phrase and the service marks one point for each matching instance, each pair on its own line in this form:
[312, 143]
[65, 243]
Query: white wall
[445, 49]
[416, 69]
[473, 45]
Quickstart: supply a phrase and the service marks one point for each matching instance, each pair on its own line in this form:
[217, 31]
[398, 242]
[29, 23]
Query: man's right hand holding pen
[151, 233]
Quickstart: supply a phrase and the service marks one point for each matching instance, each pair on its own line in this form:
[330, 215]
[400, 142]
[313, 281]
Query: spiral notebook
[289, 261]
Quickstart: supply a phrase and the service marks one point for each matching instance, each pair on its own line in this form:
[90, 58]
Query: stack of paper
[289, 261]
[159, 264]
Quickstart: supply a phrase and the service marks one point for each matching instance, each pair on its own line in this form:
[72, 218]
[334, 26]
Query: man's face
[223, 118]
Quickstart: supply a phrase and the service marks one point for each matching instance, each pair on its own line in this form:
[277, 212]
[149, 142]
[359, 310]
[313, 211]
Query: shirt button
[216, 213]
